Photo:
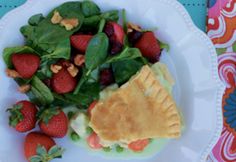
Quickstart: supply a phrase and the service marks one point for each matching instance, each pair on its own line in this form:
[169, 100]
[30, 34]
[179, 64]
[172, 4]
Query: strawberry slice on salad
[149, 46]
[80, 42]
[25, 64]
[23, 116]
[62, 82]
[116, 36]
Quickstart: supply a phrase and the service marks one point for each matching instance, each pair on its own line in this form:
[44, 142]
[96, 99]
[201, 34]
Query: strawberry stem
[15, 115]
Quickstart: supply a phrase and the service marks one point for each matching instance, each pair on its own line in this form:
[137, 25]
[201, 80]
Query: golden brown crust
[140, 109]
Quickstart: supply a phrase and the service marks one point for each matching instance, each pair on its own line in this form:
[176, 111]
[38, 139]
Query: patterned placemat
[222, 31]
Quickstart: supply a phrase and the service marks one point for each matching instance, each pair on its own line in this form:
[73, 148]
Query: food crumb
[69, 24]
[56, 18]
[12, 73]
[24, 88]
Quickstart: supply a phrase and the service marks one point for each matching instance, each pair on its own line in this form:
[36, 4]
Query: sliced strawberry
[138, 145]
[91, 106]
[149, 46]
[80, 42]
[62, 82]
[116, 36]
[25, 64]
[94, 141]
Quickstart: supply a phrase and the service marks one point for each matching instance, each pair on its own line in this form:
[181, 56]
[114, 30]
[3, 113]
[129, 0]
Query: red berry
[149, 46]
[25, 64]
[106, 77]
[36, 140]
[54, 123]
[138, 145]
[94, 141]
[62, 82]
[80, 42]
[116, 36]
[91, 106]
[23, 116]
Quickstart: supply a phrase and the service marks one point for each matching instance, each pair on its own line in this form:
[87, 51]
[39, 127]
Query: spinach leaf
[93, 21]
[35, 19]
[91, 89]
[126, 54]
[11, 50]
[96, 52]
[41, 91]
[50, 40]
[36, 97]
[101, 25]
[82, 100]
[89, 8]
[44, 71]
[84, 78]
[62, 50]
[69, 10]
[124, 70]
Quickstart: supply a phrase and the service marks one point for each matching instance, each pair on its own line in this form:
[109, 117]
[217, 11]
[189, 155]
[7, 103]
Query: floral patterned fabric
[222, 31]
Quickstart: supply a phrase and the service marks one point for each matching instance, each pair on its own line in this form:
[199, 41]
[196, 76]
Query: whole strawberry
[23, 116]
[54, 123]
[39, 147]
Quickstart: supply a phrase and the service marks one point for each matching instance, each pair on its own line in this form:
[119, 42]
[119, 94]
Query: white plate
[194, 58]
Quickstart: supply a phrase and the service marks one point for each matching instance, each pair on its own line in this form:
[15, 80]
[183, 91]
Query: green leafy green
[44, 70]
[96, 52]
[35, 19]
[93, 21]
[62, 50]
[41, 91]
[124, 19]
[11, 50]
[80, 100]
[89, 8]
[126, 54]
[36, 97]
[124, 70]
[52, 40]
[69, 10]
[86, 95]
[101, 25]
[164, 46]
[84, 78]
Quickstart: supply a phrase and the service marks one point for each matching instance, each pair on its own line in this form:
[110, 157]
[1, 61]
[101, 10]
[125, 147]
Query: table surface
[196, 8]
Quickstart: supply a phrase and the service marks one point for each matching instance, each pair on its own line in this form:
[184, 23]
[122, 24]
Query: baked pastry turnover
[140, 109]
